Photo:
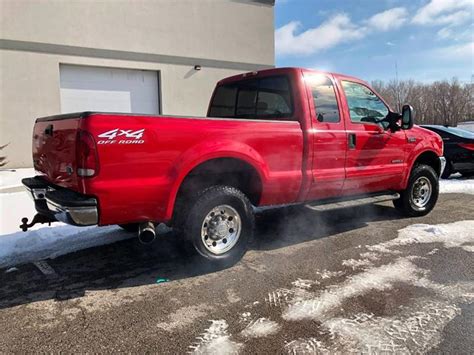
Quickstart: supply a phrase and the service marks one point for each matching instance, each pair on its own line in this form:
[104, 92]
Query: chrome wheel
[421, 193]
[221, 229]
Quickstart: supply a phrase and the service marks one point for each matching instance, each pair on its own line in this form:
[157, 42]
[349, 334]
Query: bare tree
[442, 102]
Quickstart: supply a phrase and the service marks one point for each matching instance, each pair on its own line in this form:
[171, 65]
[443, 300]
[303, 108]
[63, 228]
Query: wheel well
[223, 171]
[431, 159]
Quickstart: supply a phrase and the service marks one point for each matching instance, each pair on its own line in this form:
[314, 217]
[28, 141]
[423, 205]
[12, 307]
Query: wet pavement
[363, 280]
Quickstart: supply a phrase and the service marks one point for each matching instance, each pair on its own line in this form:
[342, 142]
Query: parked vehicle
[458, 149]
[271, 138]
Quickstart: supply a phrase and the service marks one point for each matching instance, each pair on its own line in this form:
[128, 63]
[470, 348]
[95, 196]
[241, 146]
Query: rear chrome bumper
[78, 216]
[62, 204]
[442, 161]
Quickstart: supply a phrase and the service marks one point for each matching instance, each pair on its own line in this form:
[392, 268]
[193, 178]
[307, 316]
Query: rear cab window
[259, 98]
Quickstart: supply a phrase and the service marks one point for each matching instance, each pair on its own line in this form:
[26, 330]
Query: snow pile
[20, 247]
[13, 207]
[460, 186]
[10, 179]
[41, 241]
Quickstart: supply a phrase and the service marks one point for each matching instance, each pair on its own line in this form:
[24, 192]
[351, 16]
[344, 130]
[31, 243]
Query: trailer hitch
[38, 218]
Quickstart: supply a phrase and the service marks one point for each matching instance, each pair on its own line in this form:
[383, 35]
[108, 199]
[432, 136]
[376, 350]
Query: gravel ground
[363, 280]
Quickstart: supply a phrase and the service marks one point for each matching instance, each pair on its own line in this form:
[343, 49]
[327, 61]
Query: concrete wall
[225, 37]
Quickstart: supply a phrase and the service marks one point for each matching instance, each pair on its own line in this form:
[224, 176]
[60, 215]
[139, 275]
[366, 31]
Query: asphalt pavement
[363, 280]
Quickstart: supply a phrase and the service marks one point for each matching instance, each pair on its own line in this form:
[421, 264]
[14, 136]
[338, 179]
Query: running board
[352, 203]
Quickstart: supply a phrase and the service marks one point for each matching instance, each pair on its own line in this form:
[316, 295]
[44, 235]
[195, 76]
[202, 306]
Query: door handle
[352, 140]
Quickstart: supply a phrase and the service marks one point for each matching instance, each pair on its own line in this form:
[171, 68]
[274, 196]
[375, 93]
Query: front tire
[218, 225]
[421, 194]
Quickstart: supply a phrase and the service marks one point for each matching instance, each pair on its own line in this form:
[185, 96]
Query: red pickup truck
[273, 137]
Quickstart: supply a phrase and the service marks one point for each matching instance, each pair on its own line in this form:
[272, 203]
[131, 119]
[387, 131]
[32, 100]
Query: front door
[328, 138]
[375, 156]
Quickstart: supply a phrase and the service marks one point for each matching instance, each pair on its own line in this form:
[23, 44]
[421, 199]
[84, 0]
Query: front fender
[196, 155]
[412, 160]
[424, 141]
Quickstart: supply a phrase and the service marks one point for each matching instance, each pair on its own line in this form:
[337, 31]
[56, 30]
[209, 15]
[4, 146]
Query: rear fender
[203, 152]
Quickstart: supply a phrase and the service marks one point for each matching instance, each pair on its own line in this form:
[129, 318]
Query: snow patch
[370, 256]
[456, 186]
[330, 300]
[184, 317]
[355, 264]
[304, 284]
[216, 340]
[48, 243]
[244, 317]
[306, 346]
[417, 329]
[452, 235]
[326, 274]
[282, 296]
[262, 327]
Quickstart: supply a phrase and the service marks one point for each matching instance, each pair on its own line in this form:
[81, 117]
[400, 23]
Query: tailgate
[54, 148]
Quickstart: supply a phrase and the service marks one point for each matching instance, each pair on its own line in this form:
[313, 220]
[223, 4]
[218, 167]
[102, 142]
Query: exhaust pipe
[146, 232]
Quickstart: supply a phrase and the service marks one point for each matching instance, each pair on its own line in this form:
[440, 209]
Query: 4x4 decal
[123, 136]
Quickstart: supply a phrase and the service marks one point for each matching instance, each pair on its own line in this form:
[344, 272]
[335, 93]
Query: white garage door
[108, 89]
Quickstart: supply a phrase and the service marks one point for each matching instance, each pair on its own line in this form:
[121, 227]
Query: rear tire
[217, 226]
[421, 194]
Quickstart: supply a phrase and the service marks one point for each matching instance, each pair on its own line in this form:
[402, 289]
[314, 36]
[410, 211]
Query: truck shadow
[128, 263]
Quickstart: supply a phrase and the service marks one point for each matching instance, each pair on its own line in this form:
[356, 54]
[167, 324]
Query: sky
[426, 40]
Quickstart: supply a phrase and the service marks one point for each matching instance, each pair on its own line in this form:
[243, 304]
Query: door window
[324, 98]
[364, 105]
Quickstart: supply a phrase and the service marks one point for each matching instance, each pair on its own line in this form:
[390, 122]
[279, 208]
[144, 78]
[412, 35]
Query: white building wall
[225, 37]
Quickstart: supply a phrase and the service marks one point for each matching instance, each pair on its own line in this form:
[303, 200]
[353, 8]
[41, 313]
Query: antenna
[396, 71]
[397, 85]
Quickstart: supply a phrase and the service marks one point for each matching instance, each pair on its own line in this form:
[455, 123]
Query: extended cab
[273, 137]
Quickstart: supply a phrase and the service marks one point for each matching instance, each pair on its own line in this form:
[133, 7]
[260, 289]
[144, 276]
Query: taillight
[469, 146]
[86, 155]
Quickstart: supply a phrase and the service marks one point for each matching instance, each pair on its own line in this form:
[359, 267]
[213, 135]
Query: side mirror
[407, 117]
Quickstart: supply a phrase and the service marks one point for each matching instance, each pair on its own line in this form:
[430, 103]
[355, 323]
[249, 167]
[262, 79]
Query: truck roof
[281, 71]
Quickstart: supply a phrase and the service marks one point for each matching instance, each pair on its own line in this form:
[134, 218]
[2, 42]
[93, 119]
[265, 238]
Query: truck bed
[147, 155]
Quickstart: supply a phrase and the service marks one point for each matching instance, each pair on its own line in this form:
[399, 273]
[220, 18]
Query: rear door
[375, 155]
[328, 137]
